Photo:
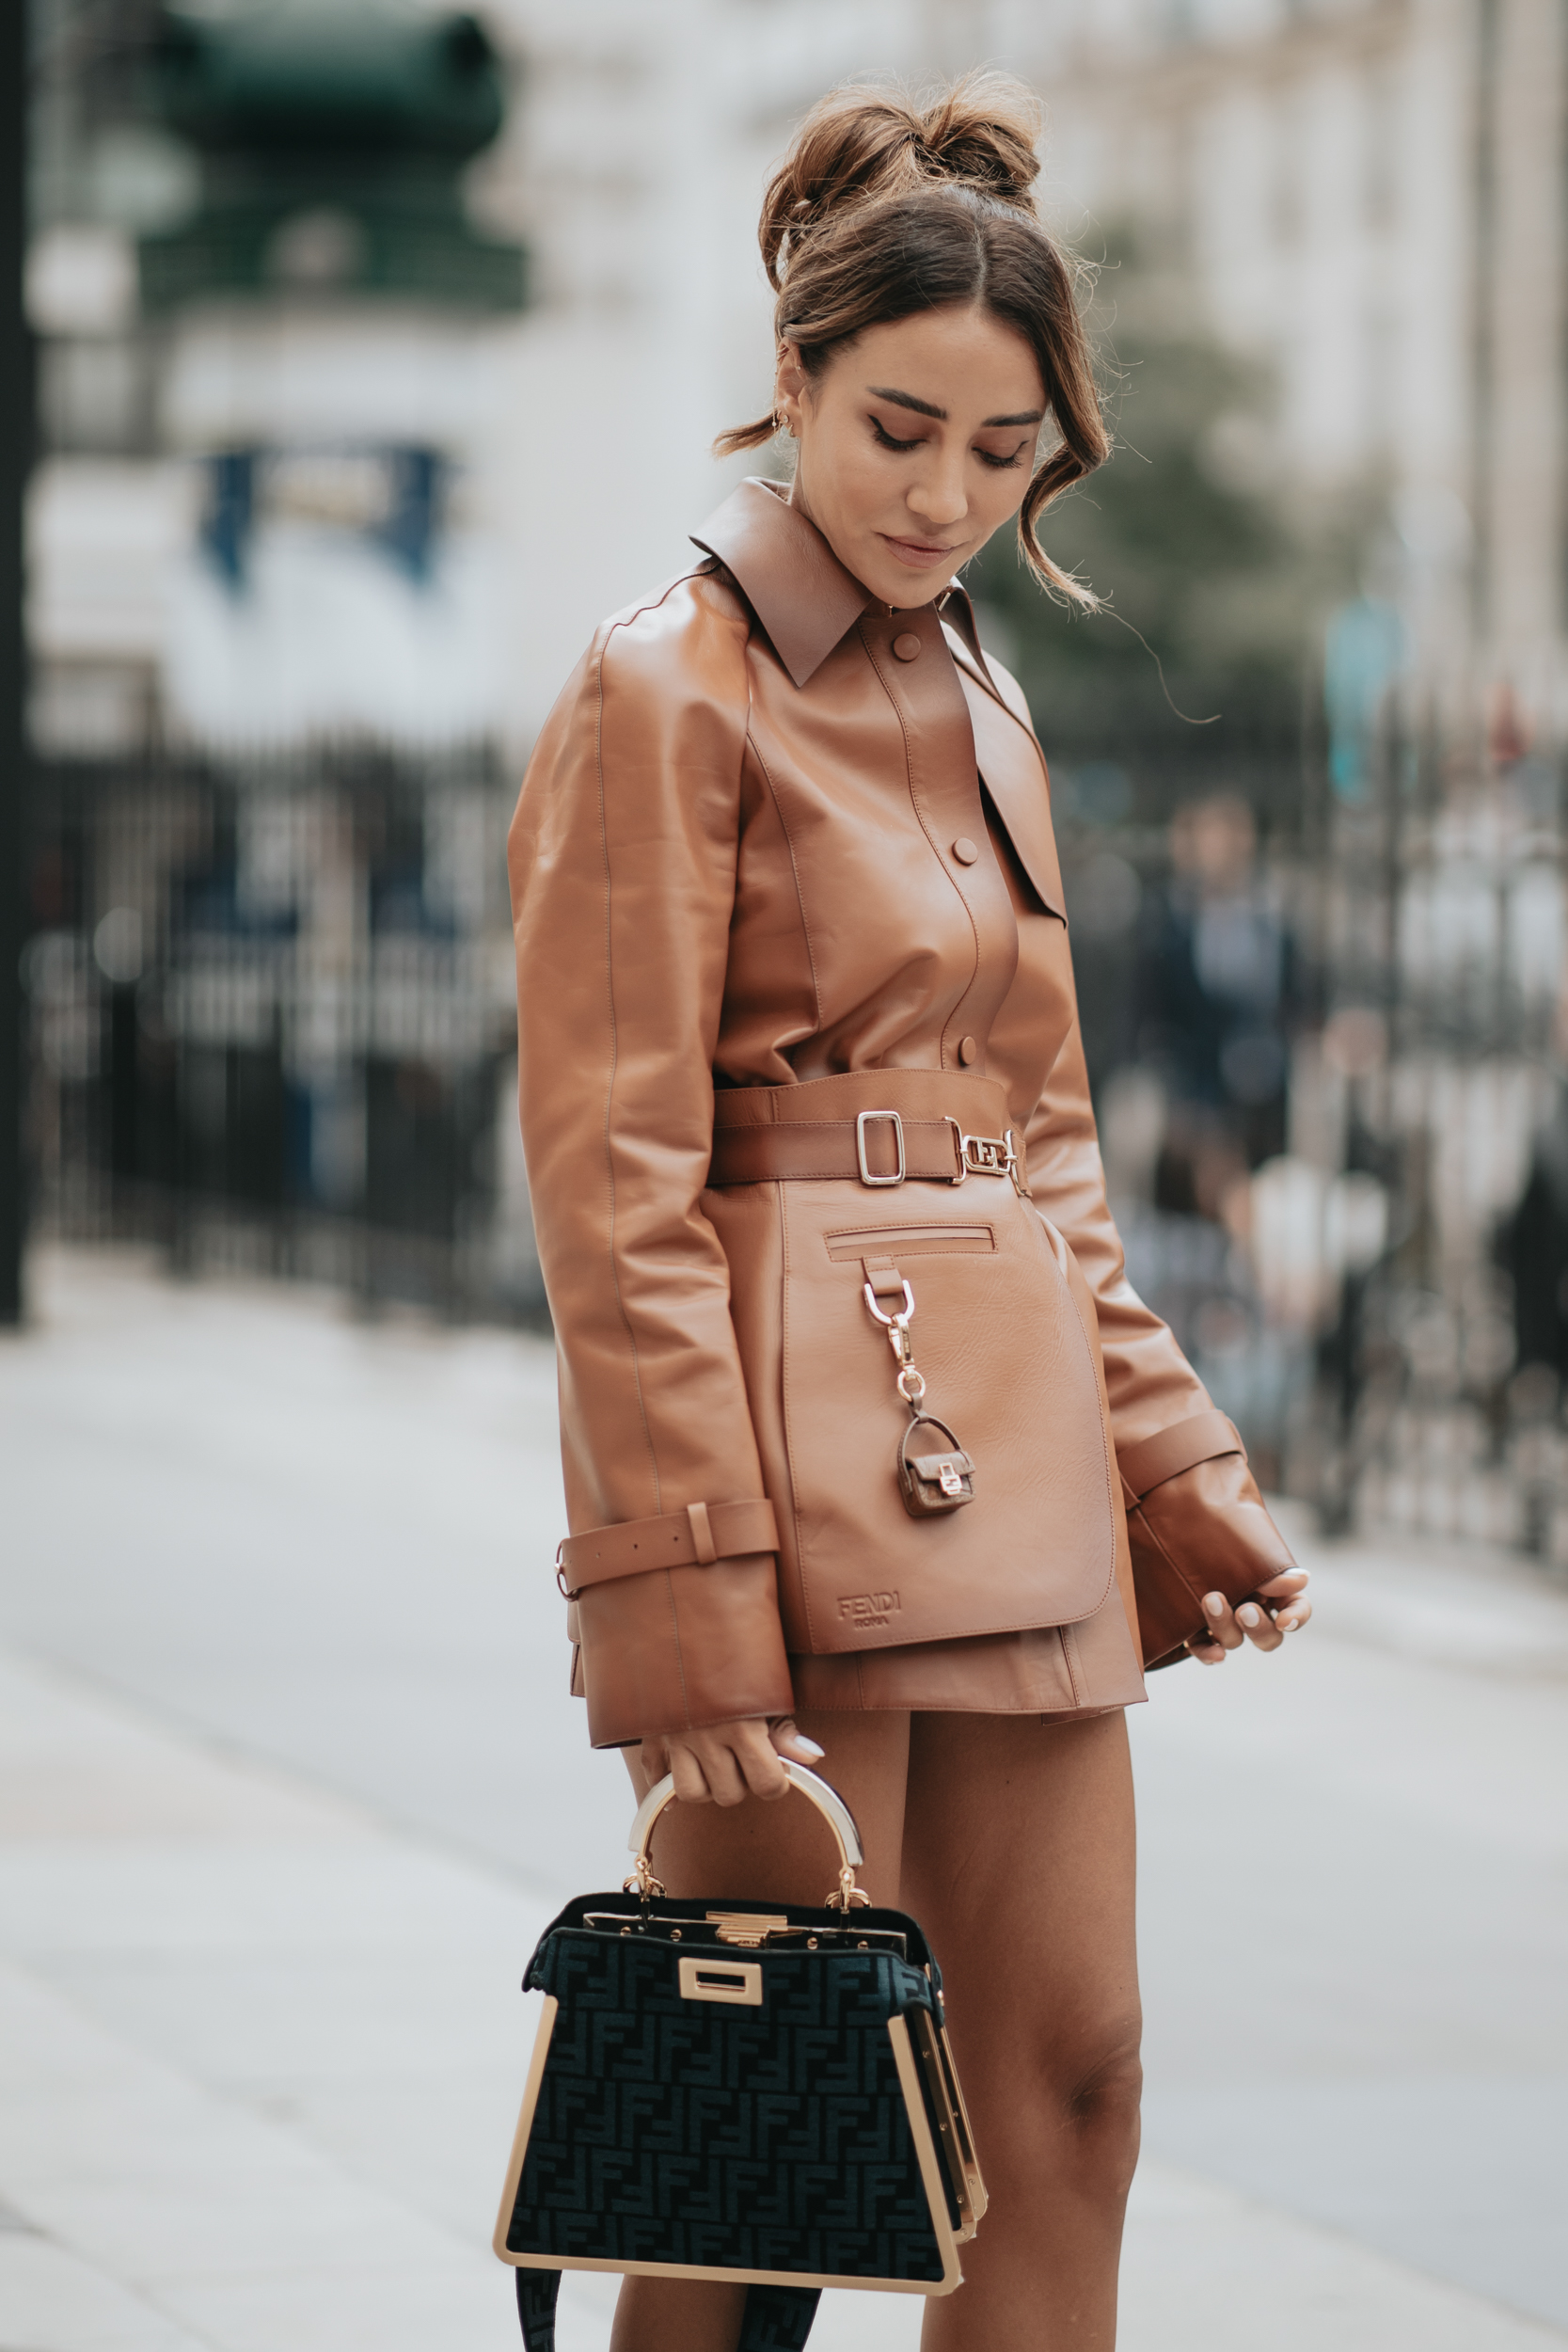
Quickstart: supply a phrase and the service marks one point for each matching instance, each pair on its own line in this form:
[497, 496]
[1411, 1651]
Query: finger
[1259, 1626]
[725, 1775]
[1220, 1622]
[690, 1780]
[1286, 1596]
[791, 1741]
[757, 1757]
[1208, 1653]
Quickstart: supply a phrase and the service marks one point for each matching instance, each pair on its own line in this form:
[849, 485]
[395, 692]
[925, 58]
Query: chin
[895, 583]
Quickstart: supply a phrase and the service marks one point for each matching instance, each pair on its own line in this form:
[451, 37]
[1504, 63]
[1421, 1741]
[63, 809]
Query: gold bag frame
[925, 2052]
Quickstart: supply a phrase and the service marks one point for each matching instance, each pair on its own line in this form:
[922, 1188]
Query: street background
[291, 1781]
[377, 349]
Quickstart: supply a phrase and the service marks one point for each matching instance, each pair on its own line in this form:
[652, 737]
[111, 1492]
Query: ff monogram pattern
[767, 2138]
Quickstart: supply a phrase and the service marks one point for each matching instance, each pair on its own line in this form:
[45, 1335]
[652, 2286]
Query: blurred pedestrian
[1216, 988]
[801, 1069]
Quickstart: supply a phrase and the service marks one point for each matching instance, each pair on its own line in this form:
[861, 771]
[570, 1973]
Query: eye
[999, 465]
[885, 439]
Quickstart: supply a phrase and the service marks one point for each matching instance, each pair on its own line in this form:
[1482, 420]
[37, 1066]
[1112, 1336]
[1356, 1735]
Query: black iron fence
[272, 1026]
[1371, 1271]
[273, 1031]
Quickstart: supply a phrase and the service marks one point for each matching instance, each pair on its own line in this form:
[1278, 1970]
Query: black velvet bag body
[723, 2089]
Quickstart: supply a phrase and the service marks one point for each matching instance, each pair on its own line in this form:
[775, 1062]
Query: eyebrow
[928, 409]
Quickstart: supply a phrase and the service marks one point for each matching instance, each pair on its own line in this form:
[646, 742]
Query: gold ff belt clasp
[974, 1155]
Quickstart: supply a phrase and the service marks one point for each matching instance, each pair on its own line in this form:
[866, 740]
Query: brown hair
[884, 208]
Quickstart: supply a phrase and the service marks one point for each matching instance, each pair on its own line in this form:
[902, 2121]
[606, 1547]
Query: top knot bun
[864, 142]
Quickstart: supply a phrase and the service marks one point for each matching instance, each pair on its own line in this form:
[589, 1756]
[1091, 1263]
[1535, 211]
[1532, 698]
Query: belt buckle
[866, 1176]
[985, 1155]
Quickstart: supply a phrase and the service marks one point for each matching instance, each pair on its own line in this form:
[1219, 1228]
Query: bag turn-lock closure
[737, 1981]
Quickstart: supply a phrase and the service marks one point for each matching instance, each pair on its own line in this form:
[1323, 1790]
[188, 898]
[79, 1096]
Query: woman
[798, 1050]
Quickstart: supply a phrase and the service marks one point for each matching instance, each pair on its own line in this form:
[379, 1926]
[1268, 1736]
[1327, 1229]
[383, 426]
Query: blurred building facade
[1367, 195]
[346, 458]
[1368, 199]
[269, 663]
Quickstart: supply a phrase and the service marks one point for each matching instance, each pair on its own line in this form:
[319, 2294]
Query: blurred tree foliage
[1189, 535]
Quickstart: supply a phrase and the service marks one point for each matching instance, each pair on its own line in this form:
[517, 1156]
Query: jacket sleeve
[622, 857]
[1196, 1522]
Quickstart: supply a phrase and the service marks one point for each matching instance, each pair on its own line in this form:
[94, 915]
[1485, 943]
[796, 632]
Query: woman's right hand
[728, 1761]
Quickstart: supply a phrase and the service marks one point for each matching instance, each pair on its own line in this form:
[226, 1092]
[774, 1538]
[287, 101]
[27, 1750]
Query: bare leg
[779, 1852]
[1018, 1864]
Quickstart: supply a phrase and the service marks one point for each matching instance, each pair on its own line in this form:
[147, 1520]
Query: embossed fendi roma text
[868, 1607]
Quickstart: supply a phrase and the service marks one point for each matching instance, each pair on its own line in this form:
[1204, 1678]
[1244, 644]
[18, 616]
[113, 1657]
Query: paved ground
[287, 1782]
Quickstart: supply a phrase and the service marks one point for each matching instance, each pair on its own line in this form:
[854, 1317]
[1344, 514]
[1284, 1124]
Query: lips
[918, 553]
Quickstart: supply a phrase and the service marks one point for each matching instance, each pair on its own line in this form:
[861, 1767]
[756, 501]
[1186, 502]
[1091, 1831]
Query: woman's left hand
[1275, 1609]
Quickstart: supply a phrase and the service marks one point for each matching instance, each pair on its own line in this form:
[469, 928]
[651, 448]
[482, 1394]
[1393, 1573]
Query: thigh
[783, 1850]
[1019, 1862]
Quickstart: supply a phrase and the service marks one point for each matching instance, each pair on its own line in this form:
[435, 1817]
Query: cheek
[860, 485]
[999, 497]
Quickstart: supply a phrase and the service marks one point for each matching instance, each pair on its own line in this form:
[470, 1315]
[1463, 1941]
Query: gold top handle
[845, 1895]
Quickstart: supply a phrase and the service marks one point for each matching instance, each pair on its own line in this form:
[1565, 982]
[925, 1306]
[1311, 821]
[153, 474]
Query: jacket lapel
[1012, 768]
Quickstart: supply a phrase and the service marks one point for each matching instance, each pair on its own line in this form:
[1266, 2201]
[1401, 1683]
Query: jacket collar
[958, 623]
[798, 588]
[789, 575]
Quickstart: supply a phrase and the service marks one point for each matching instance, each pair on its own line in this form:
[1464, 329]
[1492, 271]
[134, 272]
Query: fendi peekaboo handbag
[722, 2088]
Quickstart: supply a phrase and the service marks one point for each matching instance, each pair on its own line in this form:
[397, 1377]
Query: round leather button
[965, 850]
[968, 1051]
[908, 646]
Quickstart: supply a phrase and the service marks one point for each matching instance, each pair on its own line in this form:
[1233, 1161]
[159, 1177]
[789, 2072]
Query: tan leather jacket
[784, 858]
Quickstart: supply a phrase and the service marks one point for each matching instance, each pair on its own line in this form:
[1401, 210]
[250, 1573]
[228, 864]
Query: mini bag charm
[935, 1475]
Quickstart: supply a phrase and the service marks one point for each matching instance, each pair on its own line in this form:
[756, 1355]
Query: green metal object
[331, 138]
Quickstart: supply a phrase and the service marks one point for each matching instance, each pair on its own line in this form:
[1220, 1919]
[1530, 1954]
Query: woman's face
[916, 442]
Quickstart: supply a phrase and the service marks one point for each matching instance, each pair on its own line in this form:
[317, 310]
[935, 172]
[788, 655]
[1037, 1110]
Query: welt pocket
[909, 1241]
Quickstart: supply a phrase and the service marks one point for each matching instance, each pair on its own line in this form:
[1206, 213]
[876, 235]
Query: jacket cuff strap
[694, 1537]
[1201, 1439]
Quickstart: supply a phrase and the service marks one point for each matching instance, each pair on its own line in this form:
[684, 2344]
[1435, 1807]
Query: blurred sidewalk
[289, 1782]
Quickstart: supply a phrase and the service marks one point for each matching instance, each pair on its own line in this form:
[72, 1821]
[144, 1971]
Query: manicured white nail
[1215, 1603]
[1287, 1625]
[810, 1746]
[1249, 1615]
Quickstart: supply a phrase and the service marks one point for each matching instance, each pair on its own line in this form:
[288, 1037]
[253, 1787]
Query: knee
[1097, 2108]
[1084, 2113]
[1065, 2098]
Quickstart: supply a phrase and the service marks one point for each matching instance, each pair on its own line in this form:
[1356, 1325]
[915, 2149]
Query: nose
[939, 497]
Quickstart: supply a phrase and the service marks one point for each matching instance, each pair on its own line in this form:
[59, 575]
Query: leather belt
[696, 1537]
[877, 1147]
